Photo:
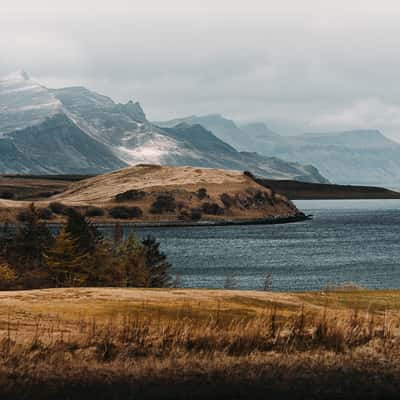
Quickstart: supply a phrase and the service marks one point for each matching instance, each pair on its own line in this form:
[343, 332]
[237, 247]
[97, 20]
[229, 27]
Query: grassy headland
[150, 194]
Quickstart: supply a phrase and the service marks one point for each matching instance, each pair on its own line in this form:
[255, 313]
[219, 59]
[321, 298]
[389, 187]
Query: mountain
[75, 130]
[228, 131]
[24, 102]
[36, 136]
[350, 157]
[222, 127]
[221, 155]
[259, 130]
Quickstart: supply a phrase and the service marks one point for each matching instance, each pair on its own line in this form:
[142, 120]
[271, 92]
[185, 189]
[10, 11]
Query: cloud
[299, 66]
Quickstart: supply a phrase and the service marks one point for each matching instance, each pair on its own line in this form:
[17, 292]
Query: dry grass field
[108, 343]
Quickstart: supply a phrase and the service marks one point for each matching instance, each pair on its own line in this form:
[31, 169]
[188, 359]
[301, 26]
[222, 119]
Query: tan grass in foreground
[232, 344]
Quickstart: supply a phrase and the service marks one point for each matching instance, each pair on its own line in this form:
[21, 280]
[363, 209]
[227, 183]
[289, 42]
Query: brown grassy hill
[158, 194]
[179, 193]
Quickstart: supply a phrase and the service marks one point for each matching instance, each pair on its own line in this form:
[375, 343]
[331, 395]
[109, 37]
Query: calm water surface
[347, 241]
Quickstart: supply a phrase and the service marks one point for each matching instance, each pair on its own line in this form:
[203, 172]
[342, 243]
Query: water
[347, 241]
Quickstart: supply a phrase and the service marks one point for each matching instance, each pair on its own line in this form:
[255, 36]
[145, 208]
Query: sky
[299, 66]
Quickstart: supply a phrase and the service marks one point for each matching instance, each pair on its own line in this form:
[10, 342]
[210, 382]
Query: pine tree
[118, 236]
[31, 240]
[156, 263]
[132, 260]
[66, 264]
[104, 269]
[7, 239]
[82, 231]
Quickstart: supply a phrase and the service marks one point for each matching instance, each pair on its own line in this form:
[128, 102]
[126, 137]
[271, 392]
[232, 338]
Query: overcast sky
[296, 65]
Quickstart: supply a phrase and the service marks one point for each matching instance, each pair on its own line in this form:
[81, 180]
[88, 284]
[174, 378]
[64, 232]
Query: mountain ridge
[72, 120]
[359, 156]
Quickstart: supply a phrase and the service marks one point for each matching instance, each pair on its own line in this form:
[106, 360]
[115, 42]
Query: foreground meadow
[183, 343]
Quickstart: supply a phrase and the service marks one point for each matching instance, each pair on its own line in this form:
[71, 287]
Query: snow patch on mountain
[24, 102]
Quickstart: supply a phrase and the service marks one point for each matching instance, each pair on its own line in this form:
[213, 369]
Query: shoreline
[180, 224]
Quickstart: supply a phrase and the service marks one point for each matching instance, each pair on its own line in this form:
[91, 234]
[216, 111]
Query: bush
[202, 193]
[181, 205]
[212, 209]
[24, 215]
[130, 195]
[228, 200]
[122, 212]
[260, 197]
[45, 213]
[47, 194]
[249, 174]
[196, 214]
[163, 203]
[7, 195]
[57, 208]
[94, 212]
[68, 211]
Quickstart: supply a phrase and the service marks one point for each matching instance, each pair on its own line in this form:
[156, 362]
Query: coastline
[181, 224]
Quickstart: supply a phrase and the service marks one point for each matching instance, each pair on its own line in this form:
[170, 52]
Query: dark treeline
[31, 257]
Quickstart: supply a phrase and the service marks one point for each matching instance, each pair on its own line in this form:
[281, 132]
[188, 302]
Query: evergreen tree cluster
[79, 255]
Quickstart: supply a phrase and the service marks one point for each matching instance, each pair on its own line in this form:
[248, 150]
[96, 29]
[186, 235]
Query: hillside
[179, 193]
[89, 133]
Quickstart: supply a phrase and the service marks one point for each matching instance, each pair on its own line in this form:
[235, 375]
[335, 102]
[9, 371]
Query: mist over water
[347, 241]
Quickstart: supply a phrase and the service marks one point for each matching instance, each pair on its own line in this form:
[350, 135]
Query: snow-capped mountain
[24, 102]
[122, 127]
[75, 130]
[37, 136]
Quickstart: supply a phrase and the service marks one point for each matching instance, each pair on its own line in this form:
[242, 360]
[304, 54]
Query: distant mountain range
[350, 157]
[75, 130]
